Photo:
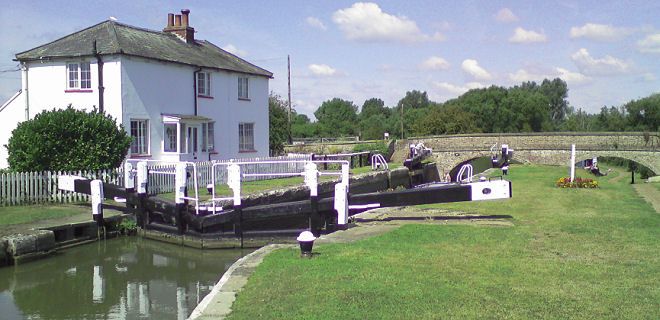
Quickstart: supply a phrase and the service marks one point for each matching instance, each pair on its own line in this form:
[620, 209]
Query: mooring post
[142, 188]
[180, 180]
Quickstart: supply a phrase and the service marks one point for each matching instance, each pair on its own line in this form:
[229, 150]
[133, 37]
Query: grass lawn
[24, 214]
[572, 253]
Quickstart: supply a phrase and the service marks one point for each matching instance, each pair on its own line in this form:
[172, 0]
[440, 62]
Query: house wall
[47, 90]
[229, 111]
[151, 88]
[10, 116]
[137, 88]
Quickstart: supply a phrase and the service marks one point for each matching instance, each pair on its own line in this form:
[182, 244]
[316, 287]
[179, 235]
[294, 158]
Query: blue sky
[607, 51]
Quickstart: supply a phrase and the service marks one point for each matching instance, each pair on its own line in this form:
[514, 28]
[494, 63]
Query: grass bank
[25, 214]
[572, 253]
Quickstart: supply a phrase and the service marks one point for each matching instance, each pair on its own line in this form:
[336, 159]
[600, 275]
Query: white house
[180, 98]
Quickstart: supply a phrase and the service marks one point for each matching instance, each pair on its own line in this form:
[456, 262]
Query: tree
[414, 100]
[302, 127]
[644, 114]
[68, 139]
[372, 107]
[336, 117]
[279, 124]
[556, 91]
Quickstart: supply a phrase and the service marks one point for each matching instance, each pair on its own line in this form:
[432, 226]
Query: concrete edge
[253, 258]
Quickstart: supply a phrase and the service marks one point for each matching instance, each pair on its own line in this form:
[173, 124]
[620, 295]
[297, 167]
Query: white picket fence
[23, 188]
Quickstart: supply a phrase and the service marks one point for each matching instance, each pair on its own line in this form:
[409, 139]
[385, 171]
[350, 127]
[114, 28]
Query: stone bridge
[553, 148]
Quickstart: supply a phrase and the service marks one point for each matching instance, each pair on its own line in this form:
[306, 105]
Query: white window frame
[78, 76]
[204, 84]
[167, 139]
[141, 130]
[246, 137]
[243, 88]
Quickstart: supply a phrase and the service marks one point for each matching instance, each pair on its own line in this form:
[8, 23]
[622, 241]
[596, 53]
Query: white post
[96, 187]
[180, 183]
[341, 203]
[312, 178]
[129, 176]
[234, 182]
[142, 177]
[572, 162]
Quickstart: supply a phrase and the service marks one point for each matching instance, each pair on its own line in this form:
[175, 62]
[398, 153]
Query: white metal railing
[466, 169]
[378, 161]
[310, 173]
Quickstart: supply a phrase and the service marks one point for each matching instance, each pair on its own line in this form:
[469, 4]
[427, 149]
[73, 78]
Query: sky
[608, 52]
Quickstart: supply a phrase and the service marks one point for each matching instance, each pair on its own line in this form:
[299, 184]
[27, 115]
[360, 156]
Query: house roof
[117, 38]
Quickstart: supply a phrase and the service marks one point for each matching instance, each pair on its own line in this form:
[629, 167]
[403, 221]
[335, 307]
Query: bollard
[306, 241]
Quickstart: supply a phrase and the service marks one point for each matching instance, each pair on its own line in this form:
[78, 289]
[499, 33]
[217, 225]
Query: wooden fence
[23, 188]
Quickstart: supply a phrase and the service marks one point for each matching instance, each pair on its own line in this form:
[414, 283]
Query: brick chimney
[179, 25]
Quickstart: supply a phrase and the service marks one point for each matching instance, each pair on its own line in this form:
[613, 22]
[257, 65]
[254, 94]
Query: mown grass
[25, 214]
[572, 253]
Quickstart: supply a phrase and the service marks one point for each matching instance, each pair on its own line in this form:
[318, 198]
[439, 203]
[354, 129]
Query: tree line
[528, 107]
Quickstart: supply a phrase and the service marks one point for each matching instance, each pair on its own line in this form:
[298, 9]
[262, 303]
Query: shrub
[67, 139]
[377, 147]
[565, 182]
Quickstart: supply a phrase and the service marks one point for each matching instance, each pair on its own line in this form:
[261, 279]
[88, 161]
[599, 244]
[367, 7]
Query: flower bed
[565, 182]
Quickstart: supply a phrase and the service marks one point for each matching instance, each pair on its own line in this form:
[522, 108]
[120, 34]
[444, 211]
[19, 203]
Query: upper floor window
[246, 137]
[140, 135]
[204, 84]
[243, 88]
[78, 75]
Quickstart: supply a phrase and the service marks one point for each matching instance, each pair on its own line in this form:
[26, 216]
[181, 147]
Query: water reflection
[125, 278]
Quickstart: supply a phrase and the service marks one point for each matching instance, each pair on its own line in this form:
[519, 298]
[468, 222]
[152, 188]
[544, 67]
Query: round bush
[67, 139]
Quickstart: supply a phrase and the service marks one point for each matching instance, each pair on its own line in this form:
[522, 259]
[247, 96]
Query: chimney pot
[184, 13]
[170, 20]
[177, 20]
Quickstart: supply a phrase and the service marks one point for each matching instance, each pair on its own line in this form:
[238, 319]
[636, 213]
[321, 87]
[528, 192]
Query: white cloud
[607, 65]
[367, 22]
[233, 50]
[322, 70]
[599, 32]
[650, 44]
[456, 89]
[316, 23]
[649, 77]
[505, 15]
[435, 63]
[521, 35]
[472, 68]
[523, 75]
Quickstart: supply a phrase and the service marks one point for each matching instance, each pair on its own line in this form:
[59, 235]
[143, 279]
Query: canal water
[122, 278]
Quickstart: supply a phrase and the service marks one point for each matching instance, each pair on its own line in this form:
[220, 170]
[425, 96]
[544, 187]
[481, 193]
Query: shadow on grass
[471, 217]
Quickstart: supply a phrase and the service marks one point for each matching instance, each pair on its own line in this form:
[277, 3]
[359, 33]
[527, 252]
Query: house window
[243, 88]
[204, 84]
[170, 137]
[140, 135]
[246, 137]
[207, 137]
[79, 76]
